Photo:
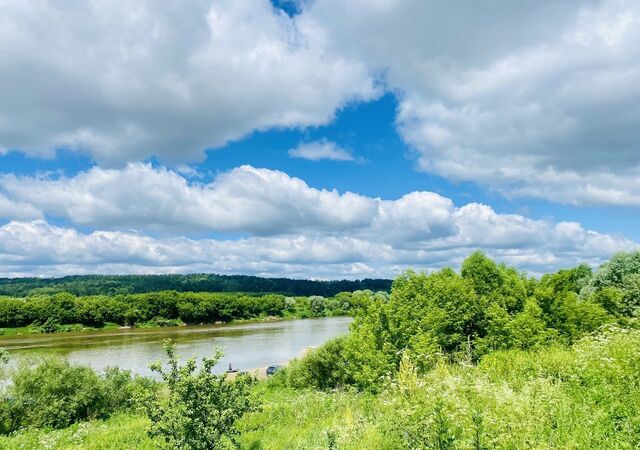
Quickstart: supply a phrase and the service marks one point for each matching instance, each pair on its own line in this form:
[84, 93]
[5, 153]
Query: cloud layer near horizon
[281, 226]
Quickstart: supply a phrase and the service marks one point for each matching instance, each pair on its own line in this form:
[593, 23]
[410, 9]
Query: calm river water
[245, 346]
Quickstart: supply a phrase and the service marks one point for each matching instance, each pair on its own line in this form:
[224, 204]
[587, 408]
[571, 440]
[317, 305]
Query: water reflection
[246, 346]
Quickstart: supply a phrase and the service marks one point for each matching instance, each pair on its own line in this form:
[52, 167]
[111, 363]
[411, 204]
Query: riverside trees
[464, 316]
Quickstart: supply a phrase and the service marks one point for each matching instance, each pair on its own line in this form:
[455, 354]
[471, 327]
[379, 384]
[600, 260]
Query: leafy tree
[201, 408]
[484, 274]
[621, 272]
[322, 368]
[317, 304]
[82, 285]
[443, 305]
[568, 280]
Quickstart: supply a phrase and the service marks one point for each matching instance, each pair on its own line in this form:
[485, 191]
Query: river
[245, 346]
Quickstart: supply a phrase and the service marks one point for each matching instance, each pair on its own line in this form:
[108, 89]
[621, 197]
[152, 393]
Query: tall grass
[583, 397]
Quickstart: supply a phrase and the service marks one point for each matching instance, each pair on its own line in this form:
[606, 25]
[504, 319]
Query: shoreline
[260, 373]
[119, 329]
[42, 341]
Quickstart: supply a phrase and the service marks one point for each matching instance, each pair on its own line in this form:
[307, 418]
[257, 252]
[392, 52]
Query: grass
[36, 329]
[584, 397]
[121, 432]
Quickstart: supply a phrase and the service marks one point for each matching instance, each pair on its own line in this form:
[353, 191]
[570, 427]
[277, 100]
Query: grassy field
[584, 397]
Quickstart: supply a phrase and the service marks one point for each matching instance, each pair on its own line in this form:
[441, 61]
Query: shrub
[55, 394]
[201, 409]
[321, 368]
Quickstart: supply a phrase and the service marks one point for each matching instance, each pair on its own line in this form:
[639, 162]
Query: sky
[316, 139]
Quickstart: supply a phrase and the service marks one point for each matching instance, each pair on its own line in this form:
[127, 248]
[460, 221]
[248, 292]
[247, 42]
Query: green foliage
[463, 317]
[55, 394]
[65, 312]
[622, 272]
[201, 409]
[87, 285]
[482, 359]
[581, 397]
[321, 368]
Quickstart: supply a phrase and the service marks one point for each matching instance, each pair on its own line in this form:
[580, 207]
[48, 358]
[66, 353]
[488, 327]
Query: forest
[81, 285]
[484, 357]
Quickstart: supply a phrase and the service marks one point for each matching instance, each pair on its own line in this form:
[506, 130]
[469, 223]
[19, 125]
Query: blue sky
[230, 145]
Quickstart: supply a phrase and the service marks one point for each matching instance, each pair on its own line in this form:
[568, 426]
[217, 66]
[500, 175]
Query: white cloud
[17, 210]
[246, 199]
[39, 248]
[126, 80]
[288, 228]
[529, 98]
[319, 150]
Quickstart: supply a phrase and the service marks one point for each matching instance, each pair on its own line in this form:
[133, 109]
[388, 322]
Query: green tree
[201, 409]
[621, 272]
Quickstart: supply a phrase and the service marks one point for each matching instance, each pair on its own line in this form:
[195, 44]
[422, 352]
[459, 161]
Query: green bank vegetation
[67, 312]
[481, 359]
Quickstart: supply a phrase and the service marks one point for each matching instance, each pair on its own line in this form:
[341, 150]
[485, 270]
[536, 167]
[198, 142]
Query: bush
[55, 394]
[321, 368]
[201, 409]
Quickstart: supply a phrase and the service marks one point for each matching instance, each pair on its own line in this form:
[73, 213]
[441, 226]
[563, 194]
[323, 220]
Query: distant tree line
[137, 284]
[55, 312]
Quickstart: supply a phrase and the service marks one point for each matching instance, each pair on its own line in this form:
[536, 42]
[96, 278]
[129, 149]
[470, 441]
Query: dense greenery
[136, 284]
[583, 397]
[58, 311]
[484, 358]
[485, 308]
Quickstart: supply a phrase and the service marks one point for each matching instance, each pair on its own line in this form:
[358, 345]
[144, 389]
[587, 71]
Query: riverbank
[147, 326]
[67, 313]
[260, 373]
[582, 397]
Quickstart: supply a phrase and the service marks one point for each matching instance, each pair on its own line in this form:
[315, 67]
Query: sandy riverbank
[260, 373]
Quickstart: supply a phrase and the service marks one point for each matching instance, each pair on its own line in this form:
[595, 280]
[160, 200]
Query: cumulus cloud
[288, 228]
[247, 199]
[319, 150]
[39, 248]
[10, 209]
[528, 98]
[127, 80]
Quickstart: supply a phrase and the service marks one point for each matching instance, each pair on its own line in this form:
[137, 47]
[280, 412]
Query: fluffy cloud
[287, 227]
[17, 210]
[126, 80]
[39, 248]
[319, 150]
[529, 98]
[246, 199]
